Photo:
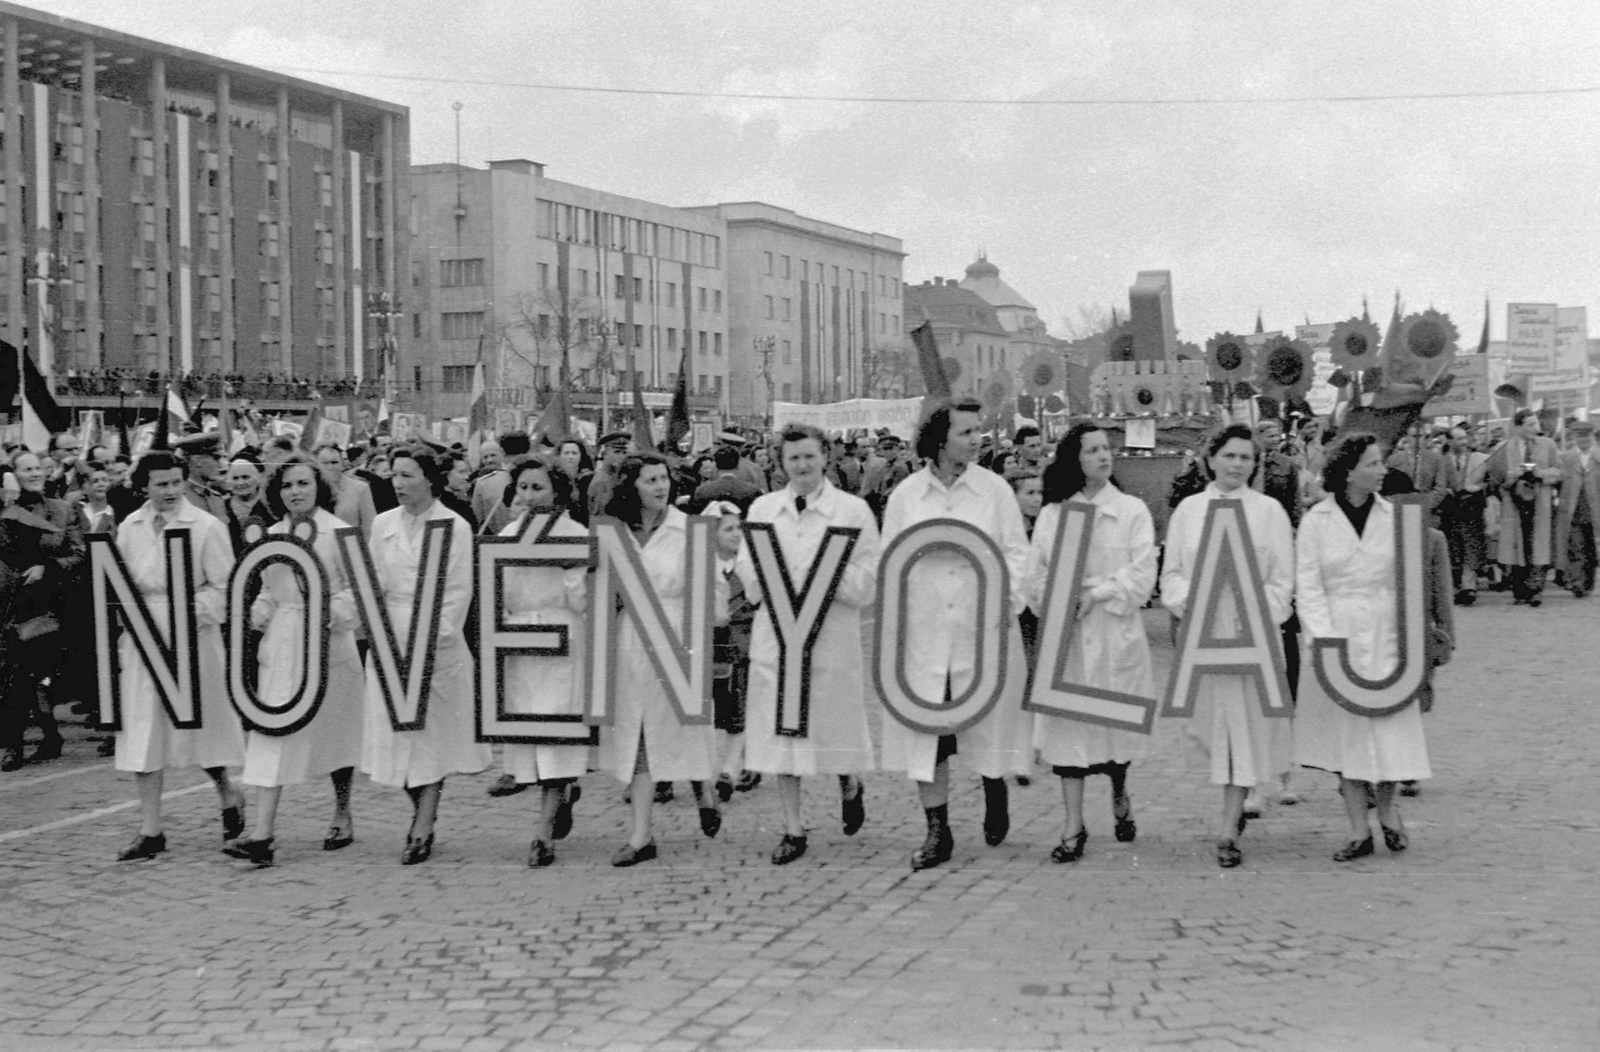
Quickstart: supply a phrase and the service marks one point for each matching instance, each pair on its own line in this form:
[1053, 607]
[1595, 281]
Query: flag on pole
[1389, 356]
[933, 377]
[22, 384]
[555, 421]
[177, 414]
[678, 424]
[1483, 341]
[643, 436]
[1259, 327]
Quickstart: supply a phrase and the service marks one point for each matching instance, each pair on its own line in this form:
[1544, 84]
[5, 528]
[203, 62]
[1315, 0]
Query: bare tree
[890, 371]
[558, 331]
[1091, 318]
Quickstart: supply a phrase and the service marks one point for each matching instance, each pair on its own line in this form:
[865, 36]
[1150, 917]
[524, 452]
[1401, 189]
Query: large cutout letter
[1227, 588]
[1049, 691]
[1331, 657]
[797, 619]
[534, 547]
[993, 600]
[301, 706]
[682, 659]
[403, 676]
[170, 655]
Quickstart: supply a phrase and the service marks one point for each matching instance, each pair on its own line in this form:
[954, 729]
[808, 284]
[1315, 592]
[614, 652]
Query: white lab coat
[1242, 745]
[940, 646]
[148, 741]
[1346, 590]
[447, 743]
[546, 686]
[332, 740]
[1109, 647]
[838, 741]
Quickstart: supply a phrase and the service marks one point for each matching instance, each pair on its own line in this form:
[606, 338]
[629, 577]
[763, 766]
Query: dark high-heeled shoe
[724, 787]
[233, 821]
[632, 856]
[417, 850]
[1071, 848]
[257, 851]
[1395, 839]
[339, 838]
[853, 810]
[710, 821]
[143, 847]
[996, 811]
[1354, 850]
[788, 849]
[1122, 811]
[563, 820]
[1244, 820]
[1228, 854]
[49, 749]
[937, 848]
[540, 855]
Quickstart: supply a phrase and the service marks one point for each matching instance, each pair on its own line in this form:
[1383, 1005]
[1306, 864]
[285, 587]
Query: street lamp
[384, 313]
[49, 272]
[764, 347]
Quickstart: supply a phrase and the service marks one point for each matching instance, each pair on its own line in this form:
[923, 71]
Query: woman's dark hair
[623, 503]
[1343, 458]
[155, 460]
[1222, 436]
[935, 430]
[560, 481]
[801, 432]
[449, 459]
[325, 498]
[585, 461]
[434, 467]
[700, 462]
[1064, 477]
[247, 456]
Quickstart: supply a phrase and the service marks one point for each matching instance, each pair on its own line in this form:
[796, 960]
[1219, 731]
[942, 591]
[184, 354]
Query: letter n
[170, 657]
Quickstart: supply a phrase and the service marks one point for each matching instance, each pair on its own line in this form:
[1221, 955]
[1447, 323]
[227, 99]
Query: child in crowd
[731, 656]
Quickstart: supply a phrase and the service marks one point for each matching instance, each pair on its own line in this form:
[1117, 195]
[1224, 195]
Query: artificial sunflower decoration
[1041, 374]
[1228, 357]
[1425, 347]
[1285, 370]
[1355, 344]
[1145, 397]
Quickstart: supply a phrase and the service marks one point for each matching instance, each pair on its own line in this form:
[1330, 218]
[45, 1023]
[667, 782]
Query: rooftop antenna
[461, 206]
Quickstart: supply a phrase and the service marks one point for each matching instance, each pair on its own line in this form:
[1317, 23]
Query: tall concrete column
[164, 359]
[285, 272]
[16, 305]
[341, 290]
[94, 354]
[230, 353]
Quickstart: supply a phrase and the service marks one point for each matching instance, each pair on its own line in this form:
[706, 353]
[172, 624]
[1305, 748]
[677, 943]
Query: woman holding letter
[1244, 746]
[419, 760]
[1109, 648]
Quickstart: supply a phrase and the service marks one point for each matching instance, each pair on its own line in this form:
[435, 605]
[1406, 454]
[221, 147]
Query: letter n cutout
[797, 619]
[1227, 578]
[169, 655]
[896, 623]
[681, 659]
[534, 546]
[1049, 691]
[403, 676]
[301, 707]
[1331, 657]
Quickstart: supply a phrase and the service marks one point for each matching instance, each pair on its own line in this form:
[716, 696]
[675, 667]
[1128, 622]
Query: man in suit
[1277, 476]
[1575, 548]
[1426, 469]
[1525, 472]
[1461, 512]
[727, 485]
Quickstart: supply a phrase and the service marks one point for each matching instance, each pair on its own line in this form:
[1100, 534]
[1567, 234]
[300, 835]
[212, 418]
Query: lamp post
[763, 346]
[49, 273]
[384, 314]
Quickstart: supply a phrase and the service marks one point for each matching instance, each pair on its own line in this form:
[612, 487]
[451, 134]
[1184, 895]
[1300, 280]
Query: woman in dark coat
[42, 546]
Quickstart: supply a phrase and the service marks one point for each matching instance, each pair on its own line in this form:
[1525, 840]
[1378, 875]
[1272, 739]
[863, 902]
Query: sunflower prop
[1228, 357]
[1285, 370]
[1042, 374]
[1355, 344]
[1425, 348]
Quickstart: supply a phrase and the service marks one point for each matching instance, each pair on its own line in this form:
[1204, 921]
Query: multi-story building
[973, 344]
[173, 212]
[1017, 316]
[527, 271]
[811, 304]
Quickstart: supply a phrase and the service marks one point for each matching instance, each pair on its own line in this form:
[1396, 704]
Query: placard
[1531, 337]
[1571, 372]
[1139, 432]
[1323, 396]
[1469, 388]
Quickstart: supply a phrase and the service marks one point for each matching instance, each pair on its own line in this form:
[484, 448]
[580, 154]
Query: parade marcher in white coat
[837, 741]
[330, 744]
[539, 685]
[1109, 647]
[1245, 747]
[148, 744]
[419, 760]
[940, 658]
[1345, 577]
[646, 742]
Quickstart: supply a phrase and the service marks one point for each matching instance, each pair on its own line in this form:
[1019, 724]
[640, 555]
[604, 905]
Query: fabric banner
[899, 415]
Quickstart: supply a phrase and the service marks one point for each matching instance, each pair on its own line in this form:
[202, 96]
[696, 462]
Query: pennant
[21, 382]
[643, 438]
[933, 377]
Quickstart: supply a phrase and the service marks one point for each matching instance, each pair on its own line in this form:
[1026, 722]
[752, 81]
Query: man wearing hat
[884, 472]
[1580, 506]
[614, 449]
[747, 469]
[203, 468]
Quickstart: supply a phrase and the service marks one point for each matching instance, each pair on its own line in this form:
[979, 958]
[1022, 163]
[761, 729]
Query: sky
[1295, 209]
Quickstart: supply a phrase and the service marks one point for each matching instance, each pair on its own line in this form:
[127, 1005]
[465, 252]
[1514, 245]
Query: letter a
[1228, 631]
[797, 619]
[1050, 692]
[1331, 657]
[171, 658]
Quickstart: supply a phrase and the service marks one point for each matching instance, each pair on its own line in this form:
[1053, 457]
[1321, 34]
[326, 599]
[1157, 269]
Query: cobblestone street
[1485, 934]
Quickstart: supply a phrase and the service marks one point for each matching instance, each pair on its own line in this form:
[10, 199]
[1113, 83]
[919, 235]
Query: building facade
[171, 212]
[811, 304]
[529, 272]
[974, 346]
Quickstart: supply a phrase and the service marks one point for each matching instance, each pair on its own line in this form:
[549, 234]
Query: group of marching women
[1339, 572]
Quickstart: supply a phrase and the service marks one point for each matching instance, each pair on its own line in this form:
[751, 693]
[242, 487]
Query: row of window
[637, 289]
[457, 379]
[588, 226]
[784, 266]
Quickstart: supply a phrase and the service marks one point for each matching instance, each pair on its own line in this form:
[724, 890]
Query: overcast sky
[1295, 208]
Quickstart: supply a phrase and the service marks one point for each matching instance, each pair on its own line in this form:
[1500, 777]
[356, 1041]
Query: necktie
[799, 505]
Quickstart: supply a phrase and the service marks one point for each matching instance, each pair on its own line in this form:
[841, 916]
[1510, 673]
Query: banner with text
[899, 415]
[1571, 372]
[1469, 388]
[1531, 337]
